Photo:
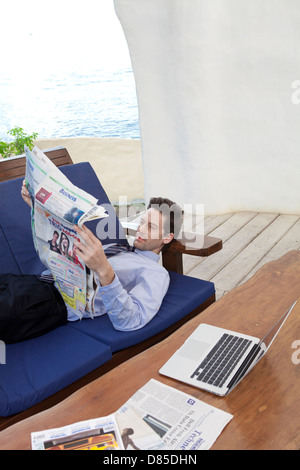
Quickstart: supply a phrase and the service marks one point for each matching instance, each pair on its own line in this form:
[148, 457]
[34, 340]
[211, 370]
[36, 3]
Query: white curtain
[219, 109]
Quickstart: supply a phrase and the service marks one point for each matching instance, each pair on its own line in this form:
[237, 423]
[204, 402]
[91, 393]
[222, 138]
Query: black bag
[29, 307]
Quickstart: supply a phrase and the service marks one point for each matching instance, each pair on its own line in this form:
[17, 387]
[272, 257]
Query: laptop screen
[270, 336]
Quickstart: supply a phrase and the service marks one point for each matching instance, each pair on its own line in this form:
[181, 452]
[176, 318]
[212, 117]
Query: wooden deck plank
[232, 225]
[250, 240]
[206, 227]
[243, 263]
[211, 223]
[220, 226]
[290, 241]
[213, 264]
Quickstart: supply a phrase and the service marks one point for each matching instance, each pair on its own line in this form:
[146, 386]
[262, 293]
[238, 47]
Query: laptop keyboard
[221, 360]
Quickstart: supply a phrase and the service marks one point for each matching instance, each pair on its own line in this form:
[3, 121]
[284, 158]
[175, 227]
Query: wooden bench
[206, 246]
[189, 244]
[173, 262]
[15, 167]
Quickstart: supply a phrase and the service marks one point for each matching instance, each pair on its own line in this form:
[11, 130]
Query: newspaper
[57, 205]
[94, 434]
[156, 417]
[136, 433]
[182, 421]
[123, 430]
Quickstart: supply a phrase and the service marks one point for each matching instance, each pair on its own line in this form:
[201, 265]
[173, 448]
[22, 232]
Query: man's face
[150, 234]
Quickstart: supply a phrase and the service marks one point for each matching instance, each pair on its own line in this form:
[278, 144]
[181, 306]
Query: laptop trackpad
[193, 349]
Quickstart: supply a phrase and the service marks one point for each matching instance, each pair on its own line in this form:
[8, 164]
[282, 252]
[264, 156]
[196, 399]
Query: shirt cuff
[110, 292]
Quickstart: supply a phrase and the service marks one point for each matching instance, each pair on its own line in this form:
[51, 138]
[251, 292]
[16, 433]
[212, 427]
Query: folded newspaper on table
[156, 417]
[58, 206]
[182, 421]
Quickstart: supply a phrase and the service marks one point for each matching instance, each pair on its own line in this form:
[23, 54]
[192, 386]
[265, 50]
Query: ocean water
[92, 102]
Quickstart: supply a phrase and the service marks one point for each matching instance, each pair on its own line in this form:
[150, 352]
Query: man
[132, 285]
[53, 243]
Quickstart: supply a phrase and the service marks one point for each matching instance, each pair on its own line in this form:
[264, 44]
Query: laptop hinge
[240, 373]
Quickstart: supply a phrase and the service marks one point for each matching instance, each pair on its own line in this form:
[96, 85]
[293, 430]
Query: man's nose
[142, 229]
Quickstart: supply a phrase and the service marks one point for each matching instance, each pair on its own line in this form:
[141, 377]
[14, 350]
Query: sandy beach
[117, 162]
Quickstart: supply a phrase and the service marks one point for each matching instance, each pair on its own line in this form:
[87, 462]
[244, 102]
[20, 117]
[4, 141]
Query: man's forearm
[106, 274]
[124, 312]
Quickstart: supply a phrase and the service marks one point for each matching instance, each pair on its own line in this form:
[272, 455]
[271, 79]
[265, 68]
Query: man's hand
[91, 251]
[25, 194]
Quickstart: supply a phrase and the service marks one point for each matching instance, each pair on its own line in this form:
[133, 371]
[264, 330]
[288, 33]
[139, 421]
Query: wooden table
[265, 404]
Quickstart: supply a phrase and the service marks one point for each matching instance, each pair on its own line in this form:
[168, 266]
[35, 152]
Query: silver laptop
[215, 359]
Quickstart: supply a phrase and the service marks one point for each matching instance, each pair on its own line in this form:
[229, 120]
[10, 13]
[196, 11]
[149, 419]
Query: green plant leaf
[16, 147]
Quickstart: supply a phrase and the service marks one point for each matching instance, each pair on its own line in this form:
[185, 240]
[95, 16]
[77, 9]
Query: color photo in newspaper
[57, 206]
[93, 434]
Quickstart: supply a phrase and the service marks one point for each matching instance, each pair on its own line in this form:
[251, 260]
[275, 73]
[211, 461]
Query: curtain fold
[215, 83]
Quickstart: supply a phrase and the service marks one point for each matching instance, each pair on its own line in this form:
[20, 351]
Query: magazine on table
[156, 417]
[58, 205]
[93, 434]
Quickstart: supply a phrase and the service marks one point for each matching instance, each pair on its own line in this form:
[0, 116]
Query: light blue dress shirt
[136, 293]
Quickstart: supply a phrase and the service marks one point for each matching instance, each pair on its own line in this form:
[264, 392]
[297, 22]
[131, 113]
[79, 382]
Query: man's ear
[168, 238]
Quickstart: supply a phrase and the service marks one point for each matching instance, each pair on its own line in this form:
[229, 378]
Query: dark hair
[60, 242]
[173, 215]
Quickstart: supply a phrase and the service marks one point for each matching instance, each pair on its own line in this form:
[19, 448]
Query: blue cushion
[83, 176]
[37, 368]
[16, 226]
[8, 261]
[184, 295]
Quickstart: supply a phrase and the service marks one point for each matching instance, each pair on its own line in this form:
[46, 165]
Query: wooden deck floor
[250, 240]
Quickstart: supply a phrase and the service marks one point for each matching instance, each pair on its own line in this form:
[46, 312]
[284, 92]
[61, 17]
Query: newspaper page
[57, 206]
[156, 417]
[182, 421]
[135, 432]
[94, 434]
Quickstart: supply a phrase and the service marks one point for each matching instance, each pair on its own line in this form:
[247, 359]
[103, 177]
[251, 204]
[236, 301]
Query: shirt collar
[149, 254]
